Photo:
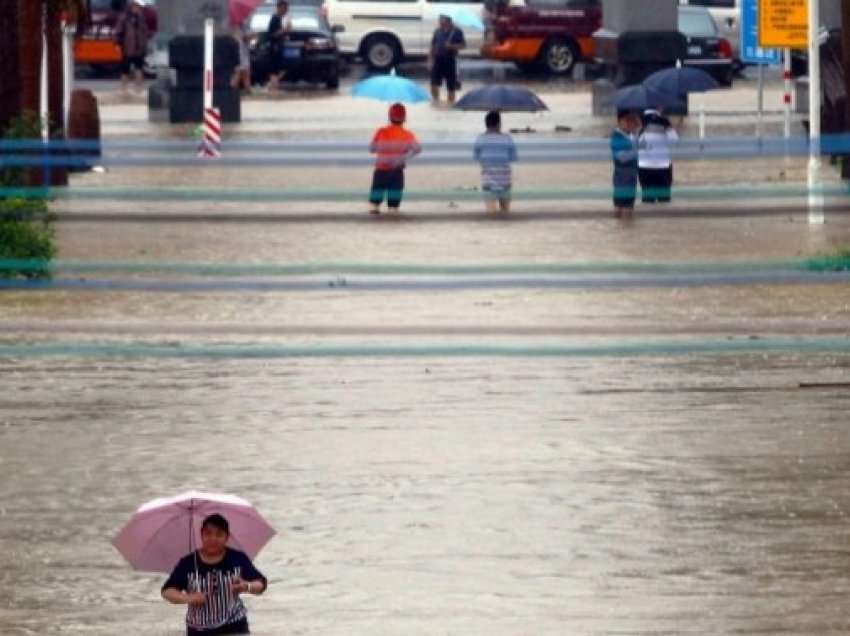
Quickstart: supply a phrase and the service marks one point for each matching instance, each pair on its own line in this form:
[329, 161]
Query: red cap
[398, 113]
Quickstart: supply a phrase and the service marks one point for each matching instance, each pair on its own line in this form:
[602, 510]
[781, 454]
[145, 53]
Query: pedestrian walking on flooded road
[280, 24]
[655, 159]
[131, 36]
[394, 146]
[212, 580]
[442, 58]
[624, 153]
[495, 151]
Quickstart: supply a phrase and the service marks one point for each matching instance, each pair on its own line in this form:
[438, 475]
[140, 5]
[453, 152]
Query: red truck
[541, 35]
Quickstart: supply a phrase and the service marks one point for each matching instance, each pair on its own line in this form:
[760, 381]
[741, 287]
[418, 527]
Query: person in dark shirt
[445, 44]
[279, 27]
[211, 582]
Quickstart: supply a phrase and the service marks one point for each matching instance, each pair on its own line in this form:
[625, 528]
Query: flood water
[437, 493]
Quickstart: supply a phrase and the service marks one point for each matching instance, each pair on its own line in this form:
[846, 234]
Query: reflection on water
[441, 496]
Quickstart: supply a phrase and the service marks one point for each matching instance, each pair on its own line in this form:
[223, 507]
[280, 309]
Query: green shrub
[835, 261]
[25, 232]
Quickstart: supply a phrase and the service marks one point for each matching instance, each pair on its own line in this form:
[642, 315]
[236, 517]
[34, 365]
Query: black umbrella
[503, 98]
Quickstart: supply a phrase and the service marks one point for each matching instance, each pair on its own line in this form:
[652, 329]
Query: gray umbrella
[503, 98]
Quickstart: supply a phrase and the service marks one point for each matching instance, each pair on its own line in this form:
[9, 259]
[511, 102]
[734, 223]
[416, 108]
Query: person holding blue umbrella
[442, 58]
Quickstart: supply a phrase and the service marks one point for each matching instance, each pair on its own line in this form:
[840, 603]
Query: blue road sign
[751, 52]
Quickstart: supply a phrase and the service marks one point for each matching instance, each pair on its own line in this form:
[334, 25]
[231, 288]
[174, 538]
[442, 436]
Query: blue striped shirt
[495, 151]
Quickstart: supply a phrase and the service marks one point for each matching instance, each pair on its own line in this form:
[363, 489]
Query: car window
[456, 1]
[697, 23]
[714, 4]
[563, 4]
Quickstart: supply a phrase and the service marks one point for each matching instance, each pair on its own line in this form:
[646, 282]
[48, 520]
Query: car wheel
[381, 52]
[332, 82]
[559, 56]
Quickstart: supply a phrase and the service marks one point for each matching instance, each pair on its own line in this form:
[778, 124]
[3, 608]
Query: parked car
[95, 44]
[727, 16]
[548, 35]
[706, 49]
[385, 32]
[309, 52]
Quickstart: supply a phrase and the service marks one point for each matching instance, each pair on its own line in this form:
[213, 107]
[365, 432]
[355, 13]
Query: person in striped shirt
[495, 151]
[212, 582]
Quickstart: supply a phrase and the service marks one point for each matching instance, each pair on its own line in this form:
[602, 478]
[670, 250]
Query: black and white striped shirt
[214, 580]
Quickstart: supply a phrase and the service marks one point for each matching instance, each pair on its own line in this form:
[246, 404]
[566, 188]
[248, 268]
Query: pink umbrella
[241, 9]
[162, 531]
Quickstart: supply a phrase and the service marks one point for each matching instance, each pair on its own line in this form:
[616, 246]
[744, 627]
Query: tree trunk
[29, 52]
[55, 84]
[10, 87]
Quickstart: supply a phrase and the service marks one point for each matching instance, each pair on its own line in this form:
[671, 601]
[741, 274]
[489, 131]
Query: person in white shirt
[655, 160]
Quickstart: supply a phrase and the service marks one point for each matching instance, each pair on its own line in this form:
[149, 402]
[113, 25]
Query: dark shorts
[389, 183]
[239, 627]
[137, 61]
[445, 68]
[656, 184]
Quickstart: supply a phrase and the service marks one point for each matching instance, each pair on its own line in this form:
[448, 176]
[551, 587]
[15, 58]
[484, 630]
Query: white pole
[43, 104]
[702, 116]
[787, 95]
[760, 119]
[209, 29]
[815, 197]
[67, 70]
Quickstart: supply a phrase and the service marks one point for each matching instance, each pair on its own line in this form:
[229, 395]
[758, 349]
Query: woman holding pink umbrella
[212, 580]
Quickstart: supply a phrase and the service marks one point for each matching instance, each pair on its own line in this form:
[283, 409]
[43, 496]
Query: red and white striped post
[211, 137]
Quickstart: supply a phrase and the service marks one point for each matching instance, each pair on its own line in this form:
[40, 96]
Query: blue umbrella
[391, 88]
[501, 97]
[463, 17]
[680, 81]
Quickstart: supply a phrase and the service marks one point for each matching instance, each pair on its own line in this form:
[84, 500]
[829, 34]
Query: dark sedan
[706, 49]
[309, 52]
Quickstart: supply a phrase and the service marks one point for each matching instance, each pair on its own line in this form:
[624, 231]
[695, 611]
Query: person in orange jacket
[394, 146]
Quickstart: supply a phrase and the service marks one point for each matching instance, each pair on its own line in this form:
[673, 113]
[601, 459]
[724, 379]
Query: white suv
[384, 32]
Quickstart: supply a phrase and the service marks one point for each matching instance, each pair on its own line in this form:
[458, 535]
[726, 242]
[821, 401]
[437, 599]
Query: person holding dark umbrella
[442, 58]
[655, 158]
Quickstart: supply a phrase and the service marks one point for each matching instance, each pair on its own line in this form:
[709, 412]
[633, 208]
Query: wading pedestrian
[394, 146]
[655, 158]
[131, 36]
[212, 582]
[624, 154]
[495, 151]
[442, 58]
